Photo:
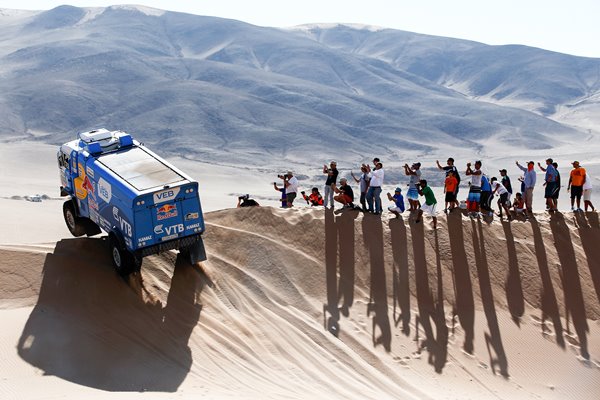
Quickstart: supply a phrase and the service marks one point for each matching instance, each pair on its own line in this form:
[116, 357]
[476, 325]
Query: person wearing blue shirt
[529, 179]
[486, 195]
[398, 200]
[551, 183]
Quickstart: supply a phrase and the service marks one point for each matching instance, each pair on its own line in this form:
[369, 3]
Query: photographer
[246, 201]
[314, 199]
[345, 193]
[332, 174]
[290, 182]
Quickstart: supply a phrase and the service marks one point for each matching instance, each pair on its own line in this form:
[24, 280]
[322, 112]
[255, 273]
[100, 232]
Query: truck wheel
[74, 223]
[123, 260]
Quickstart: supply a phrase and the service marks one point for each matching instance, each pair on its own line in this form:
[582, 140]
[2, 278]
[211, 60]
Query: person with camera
[430, 203]
[398, 200]
[290, 182]
[314, 199]
[374, 192]
[414, 172]
[474, 196]
[246, 201]
[283, 198]
[332, 174]
[345, 193]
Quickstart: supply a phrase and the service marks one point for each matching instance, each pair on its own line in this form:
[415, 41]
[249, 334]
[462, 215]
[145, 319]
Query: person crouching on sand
[398, 200]
[345, 193]
[314, 199]
[430, 203]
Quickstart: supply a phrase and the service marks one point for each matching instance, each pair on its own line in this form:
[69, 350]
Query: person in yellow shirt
[576, 182]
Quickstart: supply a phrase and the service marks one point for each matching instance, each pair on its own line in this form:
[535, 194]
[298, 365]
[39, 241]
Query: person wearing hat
[577, 179]
[345, 193]
[332, 174]
[551, 183]
[374, 191]
[430, 203]
[398, 200]
[291, 188]
[529, 179]
[414, 172]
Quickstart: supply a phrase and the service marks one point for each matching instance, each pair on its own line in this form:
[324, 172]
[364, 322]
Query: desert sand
[299, 304]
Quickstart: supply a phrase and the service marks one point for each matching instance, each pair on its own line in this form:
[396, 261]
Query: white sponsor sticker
[165, 195]
[104, 190]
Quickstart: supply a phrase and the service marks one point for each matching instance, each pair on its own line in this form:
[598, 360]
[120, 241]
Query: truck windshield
[140, 169]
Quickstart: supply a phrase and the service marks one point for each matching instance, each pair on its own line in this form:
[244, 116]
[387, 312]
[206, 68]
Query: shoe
[573, 209]
[579, 210]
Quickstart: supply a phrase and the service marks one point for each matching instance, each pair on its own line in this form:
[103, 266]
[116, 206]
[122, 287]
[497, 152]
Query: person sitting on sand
[519, 204]
[246, 201]
[430, 203]
[398, 200]
[314, 199]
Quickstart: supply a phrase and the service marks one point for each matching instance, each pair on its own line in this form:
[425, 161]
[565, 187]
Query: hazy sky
[567, 26]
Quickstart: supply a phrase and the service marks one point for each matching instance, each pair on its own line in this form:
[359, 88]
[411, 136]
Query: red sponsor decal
[166, 211]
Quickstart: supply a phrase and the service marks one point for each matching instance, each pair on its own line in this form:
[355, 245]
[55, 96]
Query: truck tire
[123, 260]
[73, 221]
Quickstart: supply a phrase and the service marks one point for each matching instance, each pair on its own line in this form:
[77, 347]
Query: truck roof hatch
[102, 140]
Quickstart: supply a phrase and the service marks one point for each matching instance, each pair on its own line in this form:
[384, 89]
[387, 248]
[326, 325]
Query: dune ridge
[312, 304]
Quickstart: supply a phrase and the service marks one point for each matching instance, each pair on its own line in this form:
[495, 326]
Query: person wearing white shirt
[291, 188]
[374, 192]
[503, 201]
[587, 192]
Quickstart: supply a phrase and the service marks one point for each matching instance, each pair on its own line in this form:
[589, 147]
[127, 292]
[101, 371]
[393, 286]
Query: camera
[303, 192]
[282, 176]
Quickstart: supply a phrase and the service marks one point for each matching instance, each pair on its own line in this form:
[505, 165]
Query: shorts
[290, 197]
[395, 209]
[450, 197]
[347, 199]
[587, 195]
[429, 209]
[576, 192]
[474, 194]
[504, 199]
[412, 194]
[551, 188]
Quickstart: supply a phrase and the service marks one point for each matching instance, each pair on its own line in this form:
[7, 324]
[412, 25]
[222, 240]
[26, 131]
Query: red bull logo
[166, 211]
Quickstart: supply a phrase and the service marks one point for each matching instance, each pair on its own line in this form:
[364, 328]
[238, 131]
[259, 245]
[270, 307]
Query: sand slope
[311, 304]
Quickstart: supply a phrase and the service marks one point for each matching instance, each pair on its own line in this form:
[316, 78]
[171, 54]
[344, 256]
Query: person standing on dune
[529, 179]
[577, 179]
[332, 174]
[374, 192]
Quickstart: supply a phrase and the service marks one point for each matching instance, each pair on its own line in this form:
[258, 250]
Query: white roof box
[96, 135]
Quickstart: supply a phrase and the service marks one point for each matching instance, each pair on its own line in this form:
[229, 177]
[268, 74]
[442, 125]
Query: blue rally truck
[145, 204]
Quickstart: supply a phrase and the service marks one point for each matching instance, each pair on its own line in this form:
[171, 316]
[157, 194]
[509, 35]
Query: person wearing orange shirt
[450, 185]
[576, 182]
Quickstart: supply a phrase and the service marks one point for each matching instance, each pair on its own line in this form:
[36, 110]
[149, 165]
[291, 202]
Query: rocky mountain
[218, 89]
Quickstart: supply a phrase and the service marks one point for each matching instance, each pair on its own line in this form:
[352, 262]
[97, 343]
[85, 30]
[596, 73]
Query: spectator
[475, 189]
[550, 181]
[450, 167]
[505, 181]
[529, 179]
[450, 188]
[314, 199]
[558, 185]
[363, 182]
[345, 193]
[577, 179]
[587, 193]
[246, 201]
[283, 196]
[519, 205]
[413, 193]
[398, 200]
[332, 174]
[486, 195]
[503, 202]
[430, 203]
[291, 188]
[374, 192]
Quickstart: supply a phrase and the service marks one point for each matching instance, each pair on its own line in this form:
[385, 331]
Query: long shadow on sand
[401, 275]
[570, 279]
[493, 340]
[548, 300]
[378, 302]
[463, 288]
[431, 310]
[91, 328]
[590, 239]
[339, 234]
[513, 286]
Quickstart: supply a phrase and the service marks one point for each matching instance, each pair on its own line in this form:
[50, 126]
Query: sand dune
[311, 304]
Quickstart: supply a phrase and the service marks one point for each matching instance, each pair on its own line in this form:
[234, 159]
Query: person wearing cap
[430, 203]
[345, 193]
[505, 181]
[363, 182]
[503, 202]
[332, 174]
[450, 167]
[398, 200]
[374, 191]
[291, 188]
[529, 179]
[577, 179]
[414, 172]
[450, 185]
[551, 183]
[475, 189]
